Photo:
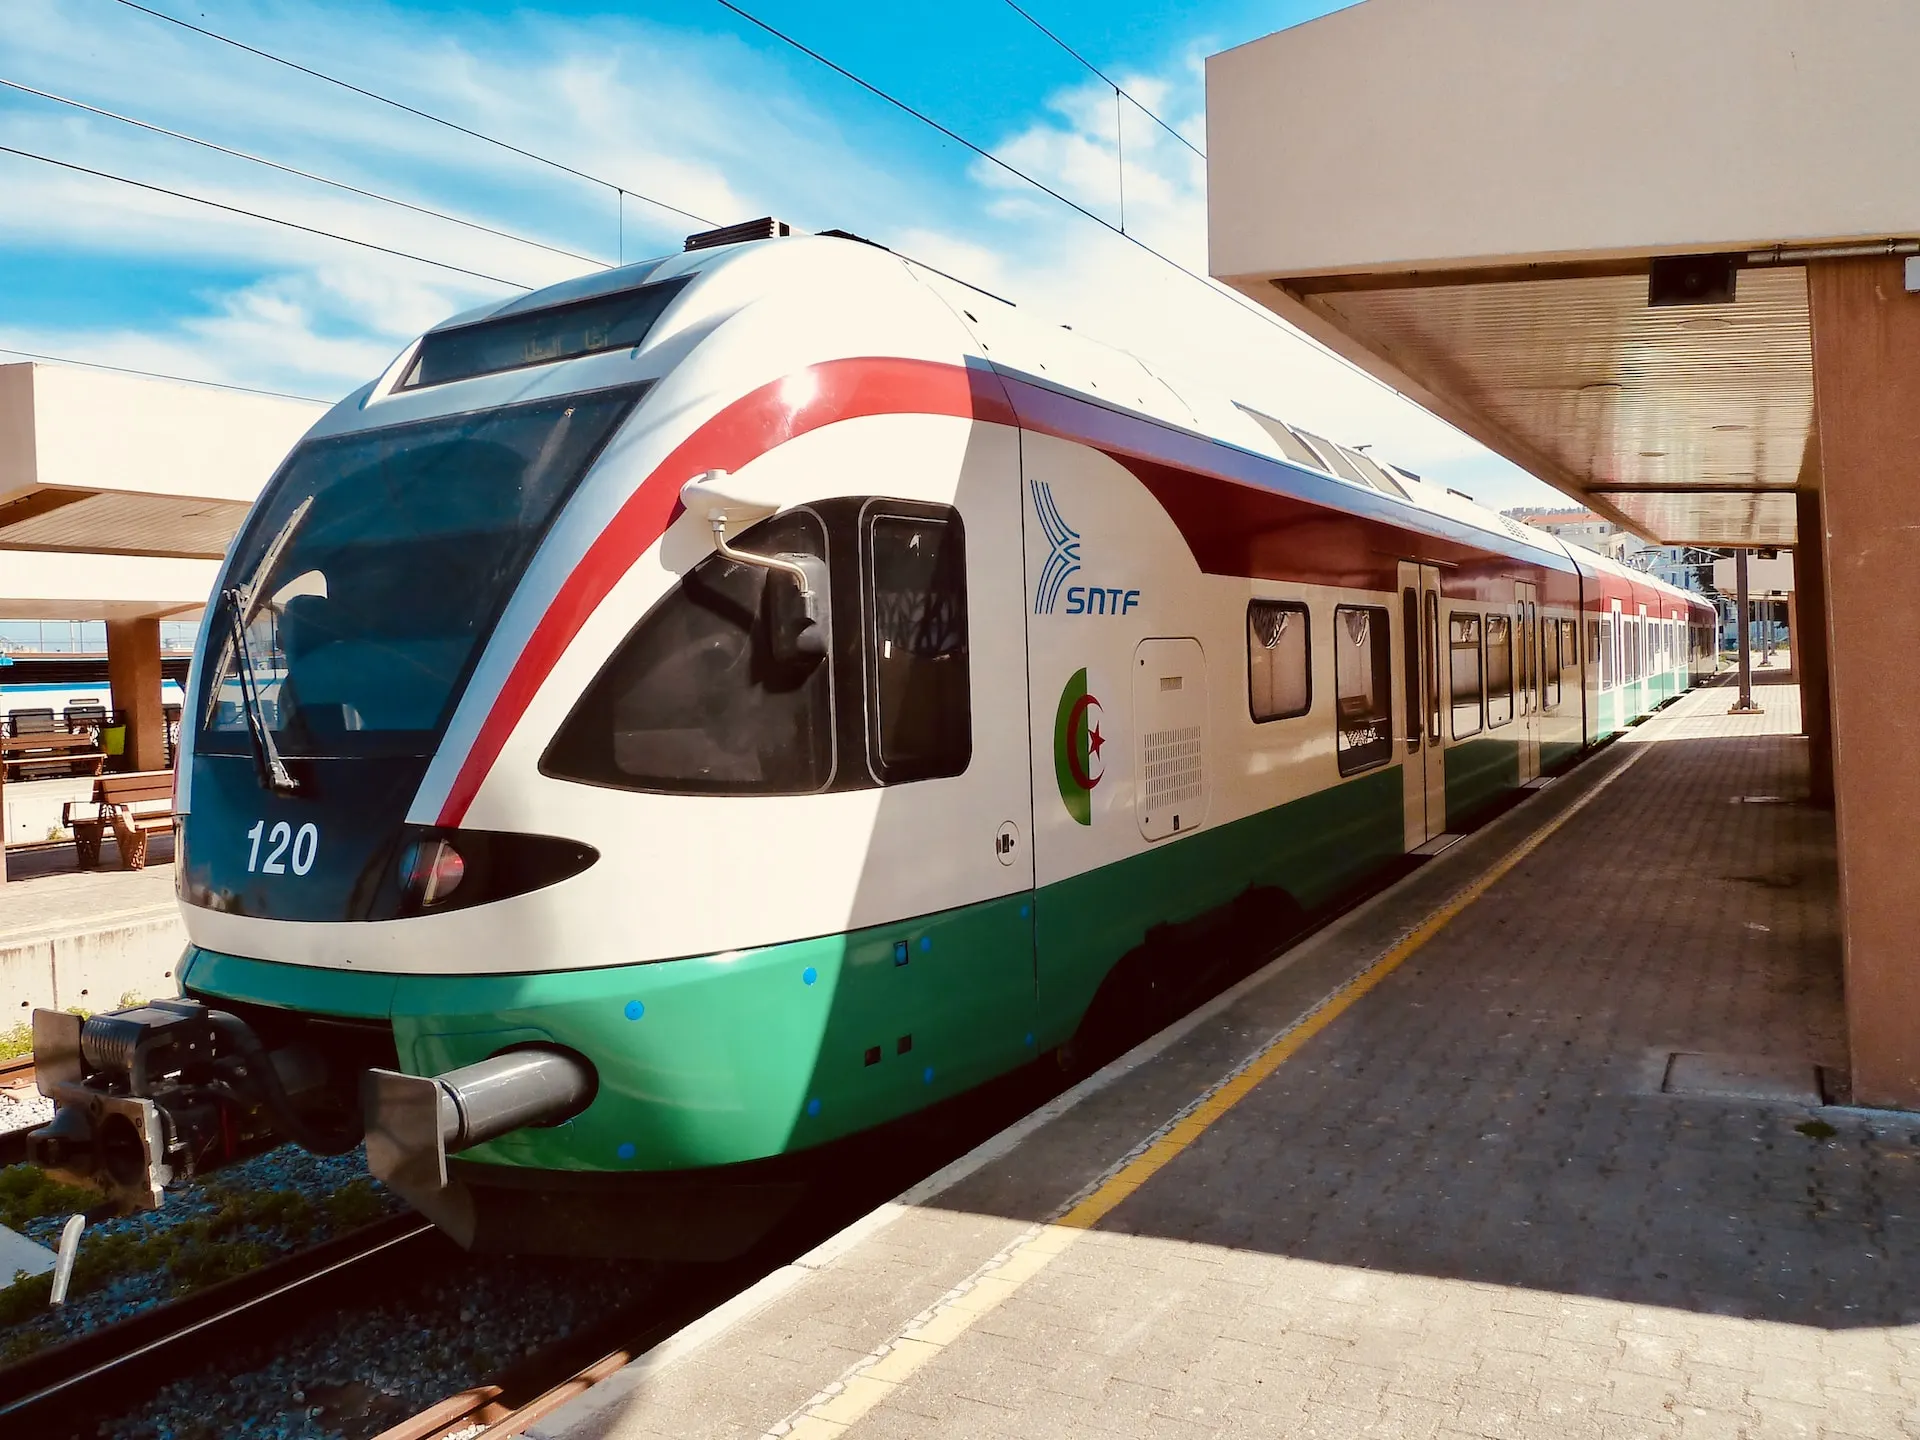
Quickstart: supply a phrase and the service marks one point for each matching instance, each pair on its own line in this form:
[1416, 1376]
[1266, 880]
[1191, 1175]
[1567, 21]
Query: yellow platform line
[842, 1405]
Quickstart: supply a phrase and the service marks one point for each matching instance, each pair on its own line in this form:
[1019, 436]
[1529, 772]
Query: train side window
[1499, 670]
[1279, 665]
[1606, 654]
[1362, 687]
[699, 699]
[1410, 683]
[1464, 670]
[1550, 653]
[1433, 667]
[920, 722]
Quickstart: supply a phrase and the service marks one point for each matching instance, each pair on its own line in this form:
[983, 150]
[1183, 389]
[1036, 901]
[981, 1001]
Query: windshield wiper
[266, 755]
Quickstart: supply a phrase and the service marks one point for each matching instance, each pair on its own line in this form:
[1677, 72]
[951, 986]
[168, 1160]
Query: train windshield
[376, 564]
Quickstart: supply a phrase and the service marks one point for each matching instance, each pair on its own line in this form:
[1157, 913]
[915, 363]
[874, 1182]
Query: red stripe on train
[777, 412]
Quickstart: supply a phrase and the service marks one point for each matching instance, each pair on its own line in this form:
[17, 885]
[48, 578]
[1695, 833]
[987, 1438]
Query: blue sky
[677, 99]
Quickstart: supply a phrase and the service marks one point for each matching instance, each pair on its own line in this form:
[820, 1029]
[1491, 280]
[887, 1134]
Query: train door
[1423, 769]
[1526, 660]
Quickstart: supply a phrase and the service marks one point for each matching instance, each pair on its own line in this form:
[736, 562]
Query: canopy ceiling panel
[1606, 389]
[112, 523]
[1694, 517]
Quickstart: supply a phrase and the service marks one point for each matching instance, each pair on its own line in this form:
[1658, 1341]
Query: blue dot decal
[635, 1009]
[813, 1106]
[625, 1152]
[926, 1076]
[809, 975]
[1029, 1037]
[1025, 911]
[926, 942]
[899, 952]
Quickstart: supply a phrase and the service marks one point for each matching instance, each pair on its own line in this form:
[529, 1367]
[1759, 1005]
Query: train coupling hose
[413, 1122]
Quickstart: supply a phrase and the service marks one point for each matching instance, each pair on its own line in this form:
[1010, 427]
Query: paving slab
[81, 939]
[1429, 1174]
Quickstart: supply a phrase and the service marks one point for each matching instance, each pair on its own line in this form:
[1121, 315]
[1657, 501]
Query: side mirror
[798, 628]
[796, 594]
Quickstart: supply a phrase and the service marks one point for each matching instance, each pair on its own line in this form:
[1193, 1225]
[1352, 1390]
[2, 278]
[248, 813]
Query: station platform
[83, 939]
[1537, 1143]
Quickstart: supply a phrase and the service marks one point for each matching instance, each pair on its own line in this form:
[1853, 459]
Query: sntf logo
[1063, 563]
[1077, 742]
[1063, 549]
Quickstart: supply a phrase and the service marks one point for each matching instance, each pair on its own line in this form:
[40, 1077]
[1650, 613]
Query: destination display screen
[514, 342]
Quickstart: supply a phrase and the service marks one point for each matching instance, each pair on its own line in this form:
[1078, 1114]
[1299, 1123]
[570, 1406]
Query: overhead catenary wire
[158, 375]
[1117, 87]
[1257, 311]
[295, 170]
[258, 215]
[619, 189]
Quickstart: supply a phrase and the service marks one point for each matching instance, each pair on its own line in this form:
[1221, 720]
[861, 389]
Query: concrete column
[1866, 373]
[1744, 605]
[1809, 637]
[133, 672]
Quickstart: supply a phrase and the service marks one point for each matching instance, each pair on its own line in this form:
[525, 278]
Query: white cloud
[704, 121]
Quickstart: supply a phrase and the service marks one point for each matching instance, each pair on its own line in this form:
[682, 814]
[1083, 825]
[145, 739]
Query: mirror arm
[718, 521]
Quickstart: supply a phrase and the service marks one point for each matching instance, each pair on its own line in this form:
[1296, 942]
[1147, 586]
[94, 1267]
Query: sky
[682, 102]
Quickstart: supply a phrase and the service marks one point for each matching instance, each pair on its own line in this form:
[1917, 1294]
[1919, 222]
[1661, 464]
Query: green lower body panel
[718, 1059]
[724, 1059]
[1478, 773]
[1309, 850]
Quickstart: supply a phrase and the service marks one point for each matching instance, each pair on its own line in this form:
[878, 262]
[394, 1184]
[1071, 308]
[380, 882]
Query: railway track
[13, 1143]
[62, 1389]
[546, 1380]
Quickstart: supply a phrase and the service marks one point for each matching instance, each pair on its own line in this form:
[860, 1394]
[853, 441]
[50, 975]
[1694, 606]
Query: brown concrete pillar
[133, 672]
[1866, 374]
[1809, 637]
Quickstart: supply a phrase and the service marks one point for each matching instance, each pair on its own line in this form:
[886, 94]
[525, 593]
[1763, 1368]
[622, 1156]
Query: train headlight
[431, 870]
[438, 870]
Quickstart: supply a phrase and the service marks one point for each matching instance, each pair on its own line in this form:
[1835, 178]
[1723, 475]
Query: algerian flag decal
[1076, 748]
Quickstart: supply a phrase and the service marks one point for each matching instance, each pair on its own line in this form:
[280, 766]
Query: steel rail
[13, 1143]
[537, 1386]
[106, 1369]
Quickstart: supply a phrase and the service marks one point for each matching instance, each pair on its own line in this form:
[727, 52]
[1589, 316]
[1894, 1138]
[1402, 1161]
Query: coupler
[160, 1094]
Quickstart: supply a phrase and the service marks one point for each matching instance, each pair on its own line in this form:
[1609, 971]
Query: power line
[1257, 311]
[256, 215]
[157, 375]
[1118, 89]
[293, 170]
[621, 190]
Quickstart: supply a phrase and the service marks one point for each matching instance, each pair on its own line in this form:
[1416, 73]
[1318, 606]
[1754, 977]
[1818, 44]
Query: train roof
[1052, 357]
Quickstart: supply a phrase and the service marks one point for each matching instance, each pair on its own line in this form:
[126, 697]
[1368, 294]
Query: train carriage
[681, 719]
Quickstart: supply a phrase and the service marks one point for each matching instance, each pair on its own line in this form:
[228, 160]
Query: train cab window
[1362, 687]
[704, 696]
[1464, 669]
[374, 566]
[921, 719]
[1279, 666]
[1499, 670]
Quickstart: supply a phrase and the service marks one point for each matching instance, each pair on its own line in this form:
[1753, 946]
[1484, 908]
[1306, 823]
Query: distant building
[1581, 527]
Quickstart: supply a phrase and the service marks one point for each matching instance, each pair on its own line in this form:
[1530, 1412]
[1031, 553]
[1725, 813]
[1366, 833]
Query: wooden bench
[35, 754]
[135, 804]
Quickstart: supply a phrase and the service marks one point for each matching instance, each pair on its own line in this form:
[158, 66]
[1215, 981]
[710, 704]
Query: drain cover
[1783, 1081]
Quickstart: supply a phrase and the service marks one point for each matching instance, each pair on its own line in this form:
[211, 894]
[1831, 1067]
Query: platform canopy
[98, 463]
[1477, 200]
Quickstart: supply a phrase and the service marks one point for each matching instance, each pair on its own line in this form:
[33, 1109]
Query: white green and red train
[691, 715]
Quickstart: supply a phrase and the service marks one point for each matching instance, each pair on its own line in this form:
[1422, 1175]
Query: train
[678, 721]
